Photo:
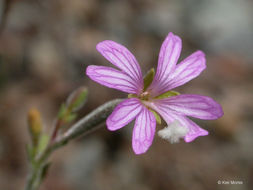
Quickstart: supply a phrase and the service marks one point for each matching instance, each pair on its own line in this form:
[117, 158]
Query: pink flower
[145, 102]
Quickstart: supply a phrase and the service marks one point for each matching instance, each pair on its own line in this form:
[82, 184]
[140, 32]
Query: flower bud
[34, 124]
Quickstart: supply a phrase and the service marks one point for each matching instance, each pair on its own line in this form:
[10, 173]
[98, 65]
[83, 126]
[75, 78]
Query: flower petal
[186, 70]
[168, 57]
[155, 105]
[194, 130]
[197, 106]
[112, 78]
[143, 132]
[124, 113]
[122, 58]
[169, 117]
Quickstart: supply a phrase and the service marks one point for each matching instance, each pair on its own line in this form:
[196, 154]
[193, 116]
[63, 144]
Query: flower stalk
[39, 165]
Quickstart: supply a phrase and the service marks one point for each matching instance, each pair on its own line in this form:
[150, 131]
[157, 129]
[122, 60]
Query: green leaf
[43, 142]
[69, 118]
[148, 78]
[77, 99]
[63, 110]
[157, 117]
[167, 94]
[132, 96]
[44, 170]
[30, 150]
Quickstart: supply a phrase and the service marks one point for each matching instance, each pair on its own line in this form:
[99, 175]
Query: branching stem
[84, 126]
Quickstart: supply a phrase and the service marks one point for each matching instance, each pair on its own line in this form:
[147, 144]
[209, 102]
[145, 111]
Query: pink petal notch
[143, 132]
[122, 58]
[194, 130]
[197, 106]
[123, 114]
[170, 117]
[112, 78]
[168, 57]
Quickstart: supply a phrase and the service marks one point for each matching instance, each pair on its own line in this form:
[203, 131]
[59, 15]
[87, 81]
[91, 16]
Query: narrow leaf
[30, 150]
[62, 112]
[148, 78]
[167, 94]
[69, 118]
[45, 170]
[132, 96]
[77, 99]
[43, 142]
[157, 117]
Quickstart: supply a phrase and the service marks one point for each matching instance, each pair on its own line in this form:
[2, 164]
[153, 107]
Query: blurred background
[45, 47]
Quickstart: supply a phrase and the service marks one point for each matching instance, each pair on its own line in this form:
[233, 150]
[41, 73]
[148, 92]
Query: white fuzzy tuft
[173, 132]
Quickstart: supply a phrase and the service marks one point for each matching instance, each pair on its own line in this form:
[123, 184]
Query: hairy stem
[84, 126]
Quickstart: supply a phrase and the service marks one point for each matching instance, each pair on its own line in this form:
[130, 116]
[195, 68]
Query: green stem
[84, 126]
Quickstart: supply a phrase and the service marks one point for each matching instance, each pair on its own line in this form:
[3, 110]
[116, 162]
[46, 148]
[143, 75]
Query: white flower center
[173, 132]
